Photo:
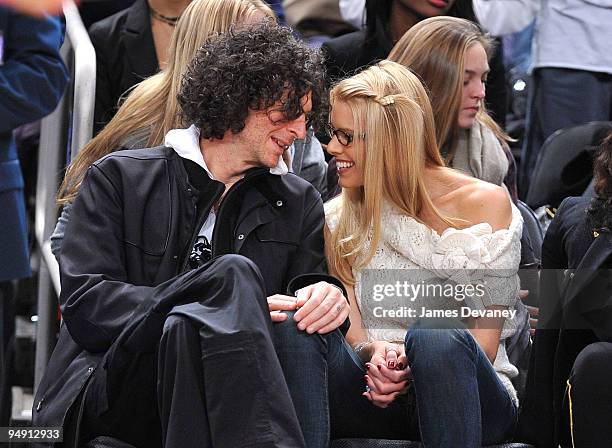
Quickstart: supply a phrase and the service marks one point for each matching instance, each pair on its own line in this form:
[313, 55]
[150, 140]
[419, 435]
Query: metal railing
[63, 133]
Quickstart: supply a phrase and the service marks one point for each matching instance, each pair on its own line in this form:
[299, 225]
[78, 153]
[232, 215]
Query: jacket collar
[186, 143]
[138, 40]
[260, 179]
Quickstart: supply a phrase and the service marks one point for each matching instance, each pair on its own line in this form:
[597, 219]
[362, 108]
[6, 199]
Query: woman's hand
[388, 374]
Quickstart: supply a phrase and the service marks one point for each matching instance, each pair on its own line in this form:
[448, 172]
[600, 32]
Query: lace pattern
[476, 254]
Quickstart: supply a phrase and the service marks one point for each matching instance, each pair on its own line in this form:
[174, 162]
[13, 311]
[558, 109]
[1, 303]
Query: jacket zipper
[199, 222]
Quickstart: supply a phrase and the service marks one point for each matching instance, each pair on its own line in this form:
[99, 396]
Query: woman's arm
[356, 333]
[488, 203]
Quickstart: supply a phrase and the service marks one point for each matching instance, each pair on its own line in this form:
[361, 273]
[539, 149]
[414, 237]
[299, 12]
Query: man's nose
[298, 127]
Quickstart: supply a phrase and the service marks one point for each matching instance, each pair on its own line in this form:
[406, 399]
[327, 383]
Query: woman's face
[474, 77]
[428, 8]
[350, 174]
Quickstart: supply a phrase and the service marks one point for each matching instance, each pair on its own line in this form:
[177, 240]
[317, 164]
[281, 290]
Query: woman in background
[450, 55]
[568, 387]
[402, 210]
[386, 22]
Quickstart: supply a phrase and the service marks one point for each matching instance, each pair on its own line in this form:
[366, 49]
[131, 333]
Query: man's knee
[233, 265]
[178, 328]
[593, 366]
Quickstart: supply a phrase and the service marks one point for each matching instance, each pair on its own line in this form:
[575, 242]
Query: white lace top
[474, 255]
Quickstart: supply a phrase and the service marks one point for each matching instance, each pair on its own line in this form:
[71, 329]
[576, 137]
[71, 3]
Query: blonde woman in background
[151, 109]
[450, 56]
[401, 209]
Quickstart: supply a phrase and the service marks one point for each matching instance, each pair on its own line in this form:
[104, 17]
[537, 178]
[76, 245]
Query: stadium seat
[565, 166]
[534, 234]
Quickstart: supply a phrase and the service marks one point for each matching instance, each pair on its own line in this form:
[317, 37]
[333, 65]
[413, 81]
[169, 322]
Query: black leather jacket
[133, 226]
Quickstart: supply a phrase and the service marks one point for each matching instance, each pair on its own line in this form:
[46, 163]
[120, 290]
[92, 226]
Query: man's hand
[321, 308]
[279, 303]
[388, 374]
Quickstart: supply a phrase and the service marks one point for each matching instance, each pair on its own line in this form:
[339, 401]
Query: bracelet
[360, 346]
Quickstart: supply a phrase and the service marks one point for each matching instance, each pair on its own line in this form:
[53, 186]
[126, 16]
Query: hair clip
[386, 100]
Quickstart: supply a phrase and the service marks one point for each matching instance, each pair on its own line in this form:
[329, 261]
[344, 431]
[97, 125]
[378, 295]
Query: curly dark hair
[250, 67]
[601, 206]
[602, 169]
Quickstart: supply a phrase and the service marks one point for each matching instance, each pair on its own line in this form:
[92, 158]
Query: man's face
[267, 133]
[428, 8]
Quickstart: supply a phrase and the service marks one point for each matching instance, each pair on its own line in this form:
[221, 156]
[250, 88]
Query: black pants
[590, 397]
[212, 378]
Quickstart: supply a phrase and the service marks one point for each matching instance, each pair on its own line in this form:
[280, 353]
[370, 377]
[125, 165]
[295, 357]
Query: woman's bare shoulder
[481, 201]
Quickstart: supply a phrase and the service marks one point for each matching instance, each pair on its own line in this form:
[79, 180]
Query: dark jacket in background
[126, 249]
[32, 81]
[574, 249]
[346, 54]
[125, 55]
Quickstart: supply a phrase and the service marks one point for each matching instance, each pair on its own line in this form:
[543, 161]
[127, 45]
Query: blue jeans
[456, 399]
[325, 380]
[460, 399]
[303, 359]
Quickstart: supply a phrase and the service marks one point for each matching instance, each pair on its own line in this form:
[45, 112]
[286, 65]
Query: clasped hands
[388, 374]
[320, 308]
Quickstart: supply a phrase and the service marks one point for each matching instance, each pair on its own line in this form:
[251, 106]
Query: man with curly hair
[194, 294]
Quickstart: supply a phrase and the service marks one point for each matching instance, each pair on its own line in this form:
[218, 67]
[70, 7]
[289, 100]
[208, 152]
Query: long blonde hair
[434, 49]
[394, 142]
[152, 105]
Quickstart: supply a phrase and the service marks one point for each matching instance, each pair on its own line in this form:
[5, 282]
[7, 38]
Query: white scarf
[479, 153]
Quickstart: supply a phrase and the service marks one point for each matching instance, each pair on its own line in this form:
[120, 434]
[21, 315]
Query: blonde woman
[151, 109]
[450, 56]
[403, 213]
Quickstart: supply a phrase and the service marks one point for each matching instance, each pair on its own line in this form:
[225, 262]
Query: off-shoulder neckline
[479, 229]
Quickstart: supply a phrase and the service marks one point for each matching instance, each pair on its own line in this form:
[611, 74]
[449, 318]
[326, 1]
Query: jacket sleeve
[309, 259]
[310, 255]
[33, 76]
[96, 300]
